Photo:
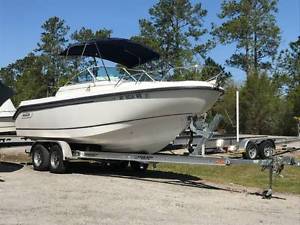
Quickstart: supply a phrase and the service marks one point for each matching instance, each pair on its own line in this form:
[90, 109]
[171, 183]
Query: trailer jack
[275, 167]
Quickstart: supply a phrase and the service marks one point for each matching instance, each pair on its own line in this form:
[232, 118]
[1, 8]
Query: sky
[21, 20]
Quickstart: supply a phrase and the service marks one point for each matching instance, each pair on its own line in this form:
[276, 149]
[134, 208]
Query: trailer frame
[275, 164]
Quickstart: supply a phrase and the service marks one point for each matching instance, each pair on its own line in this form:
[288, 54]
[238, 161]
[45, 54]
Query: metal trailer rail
[182, 140]
[275, 164]
[13, 141]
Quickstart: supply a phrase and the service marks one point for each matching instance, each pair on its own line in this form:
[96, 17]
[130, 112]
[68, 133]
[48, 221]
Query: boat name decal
[26, 115]
[133, 96]
[144, 157]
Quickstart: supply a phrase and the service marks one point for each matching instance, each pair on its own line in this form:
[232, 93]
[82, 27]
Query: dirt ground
[91, 194]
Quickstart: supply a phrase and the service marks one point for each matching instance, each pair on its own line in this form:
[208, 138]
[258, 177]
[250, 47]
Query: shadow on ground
[148, 176]
[155, 176]
[7, 167]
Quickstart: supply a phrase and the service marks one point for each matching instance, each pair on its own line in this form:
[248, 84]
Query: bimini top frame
[125, 52]
[118, 50]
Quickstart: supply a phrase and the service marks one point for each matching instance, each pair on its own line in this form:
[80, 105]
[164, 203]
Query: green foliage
[287, 77]
[53, 37]
[226, 107]
[28, 80]
[260, 105]
[31, 84]
[85, 34]
[174, 30]
[7, 75]
[209, 70]
[288, 68]
[53, 40]
[250, 24]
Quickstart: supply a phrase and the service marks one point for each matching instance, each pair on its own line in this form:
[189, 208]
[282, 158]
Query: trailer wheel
[266, 149]
[57, 165]
[138, 166]
[40, 157]
[251, 150]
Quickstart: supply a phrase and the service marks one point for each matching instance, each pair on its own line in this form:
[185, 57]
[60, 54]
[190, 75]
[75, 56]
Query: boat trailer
[274, 165]
[69, 152]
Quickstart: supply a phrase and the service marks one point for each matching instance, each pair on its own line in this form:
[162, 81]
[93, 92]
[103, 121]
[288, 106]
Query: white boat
[119, 109]
[7, 124]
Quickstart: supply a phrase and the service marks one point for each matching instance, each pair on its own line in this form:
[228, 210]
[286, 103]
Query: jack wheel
[267, 194]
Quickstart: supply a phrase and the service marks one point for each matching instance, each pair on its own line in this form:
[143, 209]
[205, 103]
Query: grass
[245, 175]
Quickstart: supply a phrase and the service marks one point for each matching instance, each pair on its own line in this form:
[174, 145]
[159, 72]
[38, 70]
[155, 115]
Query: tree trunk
[255, 52]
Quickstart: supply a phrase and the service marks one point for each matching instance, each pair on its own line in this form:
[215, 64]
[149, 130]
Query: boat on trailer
[119, 109]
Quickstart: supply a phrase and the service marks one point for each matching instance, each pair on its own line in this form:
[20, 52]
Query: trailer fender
[243, 144]
[66, 149]
[270, 140]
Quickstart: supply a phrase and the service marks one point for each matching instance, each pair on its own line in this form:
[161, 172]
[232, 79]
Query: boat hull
[7, 125]
[141, 122]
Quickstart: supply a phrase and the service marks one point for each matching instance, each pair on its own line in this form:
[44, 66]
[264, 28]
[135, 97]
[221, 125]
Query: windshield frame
[135, 75]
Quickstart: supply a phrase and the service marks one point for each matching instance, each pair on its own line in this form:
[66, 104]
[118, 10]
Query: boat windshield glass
[82, 77]
[121, 74]
[116, 74]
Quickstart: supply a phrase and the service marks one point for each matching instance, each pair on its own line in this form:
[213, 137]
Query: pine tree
[251, 25]
[287, 76]
[85, 34]
[31, 82]
[174, 29]
[260, 105]
[53, 41]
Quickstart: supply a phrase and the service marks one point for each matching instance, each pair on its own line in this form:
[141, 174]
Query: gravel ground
[90, 194]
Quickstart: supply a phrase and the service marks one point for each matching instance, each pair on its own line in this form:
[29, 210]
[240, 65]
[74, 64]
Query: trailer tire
[40, 157]
[138, 166]
[57, 164]
[266, 149]
[251, 150]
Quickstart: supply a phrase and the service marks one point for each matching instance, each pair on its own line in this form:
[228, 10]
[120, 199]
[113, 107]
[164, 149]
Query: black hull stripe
[106, 124]
[90, 99]
[6, 118]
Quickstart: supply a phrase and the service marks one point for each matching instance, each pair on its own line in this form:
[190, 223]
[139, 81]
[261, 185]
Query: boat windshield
[119, 75]
[115, 74]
